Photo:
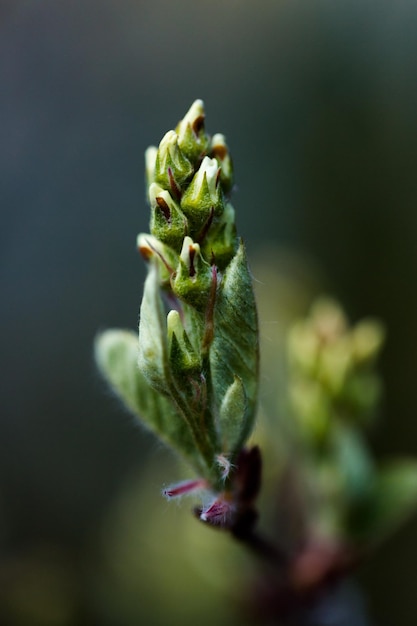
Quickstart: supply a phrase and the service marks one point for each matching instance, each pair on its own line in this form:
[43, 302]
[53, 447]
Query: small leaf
[392, 500]
[116, 353]
[230, 417]
[234, 351]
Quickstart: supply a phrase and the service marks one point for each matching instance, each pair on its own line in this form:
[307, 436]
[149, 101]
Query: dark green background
[318, 100]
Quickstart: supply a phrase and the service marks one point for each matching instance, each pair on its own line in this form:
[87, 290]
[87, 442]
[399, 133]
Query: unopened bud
[150, 161]
[182, 356]
[204, 195]
[152, 249]
[221, 242]
[172, 168]
[220, 151]
[168, 223]
[193, 278]
[192, 138]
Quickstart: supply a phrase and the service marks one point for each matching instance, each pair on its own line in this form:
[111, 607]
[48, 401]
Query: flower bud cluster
[190, 177]
[198, 338]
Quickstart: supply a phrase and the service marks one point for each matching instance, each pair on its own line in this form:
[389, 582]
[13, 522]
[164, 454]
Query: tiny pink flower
[218, 513]
[184, 488]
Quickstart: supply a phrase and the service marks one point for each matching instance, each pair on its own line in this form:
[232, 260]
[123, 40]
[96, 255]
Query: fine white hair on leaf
[225, 465]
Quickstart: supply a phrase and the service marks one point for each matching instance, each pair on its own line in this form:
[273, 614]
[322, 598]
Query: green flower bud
[220, 151]
[192, 138]
[172, 168]
[168, 222]
[221, 242]
[153, 250]
[182, 357]
[193, 278]
[203, 198]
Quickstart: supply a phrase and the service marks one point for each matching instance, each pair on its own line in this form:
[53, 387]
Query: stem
[263, 548]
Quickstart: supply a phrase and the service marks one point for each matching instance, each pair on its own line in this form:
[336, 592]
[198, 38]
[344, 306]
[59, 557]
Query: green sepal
[193, 279]
[230, 419]
[392, 500]
[182, 356]
[172, 168]
[194, 325]
[116, 354]
[221, 242]
[234, 349]
[192, 145]
[160, 254]
[203, 199]
[192, 137]
[168, 223]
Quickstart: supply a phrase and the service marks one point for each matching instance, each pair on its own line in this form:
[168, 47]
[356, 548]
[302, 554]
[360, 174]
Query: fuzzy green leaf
[392, 500]
[230, 417]
[116, 353]
[234, 351]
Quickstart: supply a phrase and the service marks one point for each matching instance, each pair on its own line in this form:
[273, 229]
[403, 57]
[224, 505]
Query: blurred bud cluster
[335, 500]
[332, 370]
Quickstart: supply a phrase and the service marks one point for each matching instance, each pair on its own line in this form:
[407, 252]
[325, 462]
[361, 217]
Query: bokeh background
[318, 101]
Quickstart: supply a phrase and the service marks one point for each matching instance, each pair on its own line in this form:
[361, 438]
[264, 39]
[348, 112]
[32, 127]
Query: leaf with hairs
[116, 353]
